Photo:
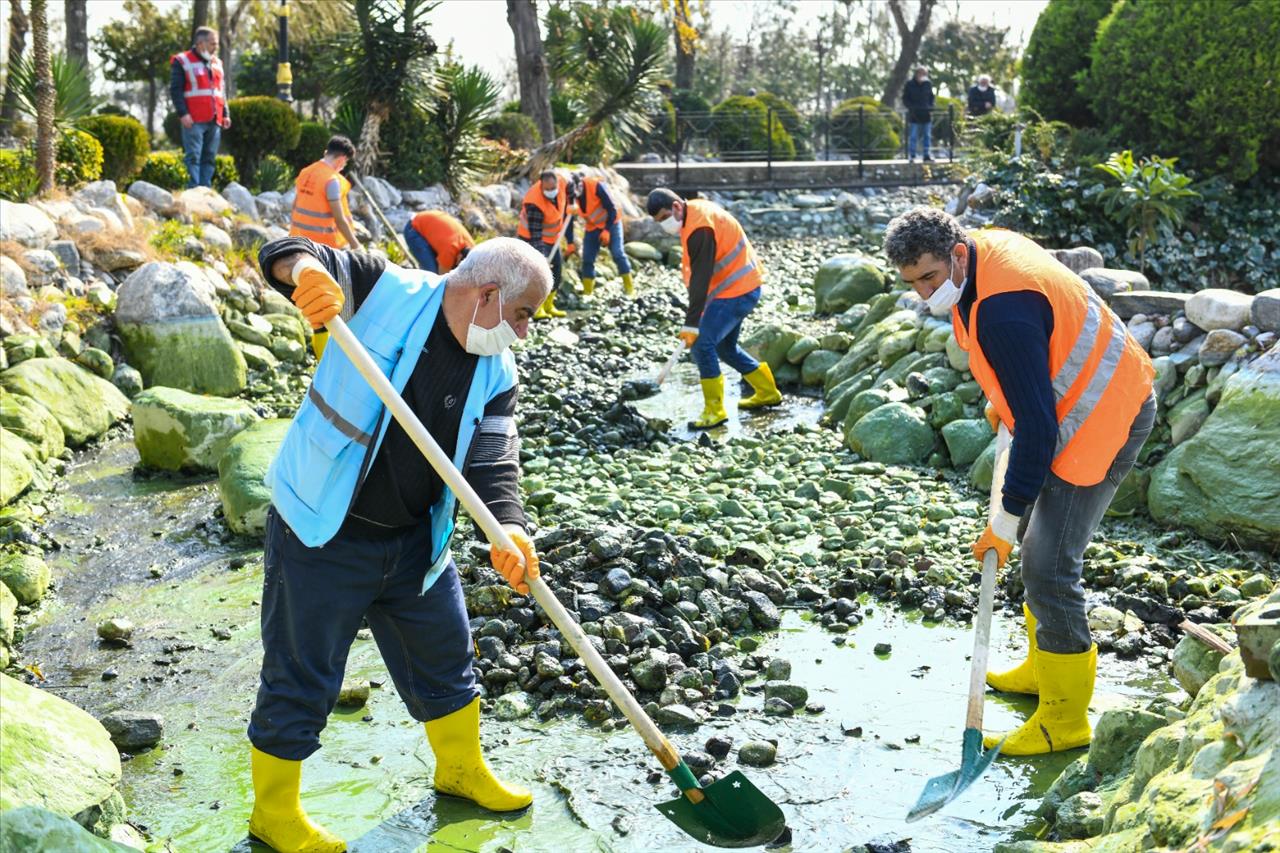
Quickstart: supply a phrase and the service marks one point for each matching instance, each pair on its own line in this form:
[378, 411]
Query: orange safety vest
[1101, 376]
[594, 216]
[205, 97]
[737, 270]
[553, 212]
[446, 235]
[312, 217]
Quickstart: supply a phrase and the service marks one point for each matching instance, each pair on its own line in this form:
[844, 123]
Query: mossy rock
[16, 466]
[814, 370]
[966, 439]
[26, 576]
[241, 469]
[178, 431]
[194, 354]
[771, 343]
[84, 405]
[33, 828]
[846, 280]
[893, 433]
[32, 422]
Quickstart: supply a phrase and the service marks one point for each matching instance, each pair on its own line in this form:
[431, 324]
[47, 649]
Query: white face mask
[205, 55]
[551, 194]
[670, 225]
[482, 341]
[945, 297]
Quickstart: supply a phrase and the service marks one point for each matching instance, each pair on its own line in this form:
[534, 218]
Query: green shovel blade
[941, 790]
[734, 814]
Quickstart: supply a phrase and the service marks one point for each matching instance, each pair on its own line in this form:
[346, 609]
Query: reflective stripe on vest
[311, 216]
[340, 423]
[593, 213]
[204, 103]
[736, 271]
[1100, 375]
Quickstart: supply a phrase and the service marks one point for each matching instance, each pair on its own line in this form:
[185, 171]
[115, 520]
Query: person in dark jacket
[917, 99]
[982, 97]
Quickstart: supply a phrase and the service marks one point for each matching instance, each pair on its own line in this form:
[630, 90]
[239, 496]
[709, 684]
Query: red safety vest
[206, 99]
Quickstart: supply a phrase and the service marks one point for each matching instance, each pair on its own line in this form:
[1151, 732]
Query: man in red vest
[200, 100]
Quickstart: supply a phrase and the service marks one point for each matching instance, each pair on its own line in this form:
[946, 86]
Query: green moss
[245, 498]
[196, 355]
[84, 405]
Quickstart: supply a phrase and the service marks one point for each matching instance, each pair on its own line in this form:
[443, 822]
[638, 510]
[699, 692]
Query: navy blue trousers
[313, 602]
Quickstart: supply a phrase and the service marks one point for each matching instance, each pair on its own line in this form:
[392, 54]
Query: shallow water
[371, 780]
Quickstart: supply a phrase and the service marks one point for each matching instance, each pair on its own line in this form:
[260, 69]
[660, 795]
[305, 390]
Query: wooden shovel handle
[1206, 636]
[670, 363]
[986, 595]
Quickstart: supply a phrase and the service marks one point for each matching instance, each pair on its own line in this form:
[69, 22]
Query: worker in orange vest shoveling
[437, 241]
[1060, 370]
[320, 211]
[601, 225]
[724, 280]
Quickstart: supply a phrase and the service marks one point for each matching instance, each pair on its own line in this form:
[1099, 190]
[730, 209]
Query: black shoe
[928, 159]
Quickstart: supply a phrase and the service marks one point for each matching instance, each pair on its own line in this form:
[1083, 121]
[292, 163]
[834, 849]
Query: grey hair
[921, 231]
[511, 264]
[982, 77]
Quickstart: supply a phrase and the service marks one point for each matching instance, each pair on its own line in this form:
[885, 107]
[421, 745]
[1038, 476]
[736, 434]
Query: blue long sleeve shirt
[606, 201]
[1013, 332]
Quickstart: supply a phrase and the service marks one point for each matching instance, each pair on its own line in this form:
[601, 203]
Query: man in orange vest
[1062, 373]
[542, 215]
[437, 241]
[724, 279]
[199, 99]
[601, 222]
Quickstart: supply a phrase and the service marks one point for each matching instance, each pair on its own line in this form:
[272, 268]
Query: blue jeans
[200, 146]
[591, 248]
[918, 130]
[313, 601]
[718, 336]
[420, 249]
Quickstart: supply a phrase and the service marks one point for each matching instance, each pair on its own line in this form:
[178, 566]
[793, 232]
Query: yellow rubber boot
[628, 284]
[588, 285]
[460, 768]
[1022, 678]
[278, 819]
[549, 306]
[713, 413]
[1061, 720]
[766, 390]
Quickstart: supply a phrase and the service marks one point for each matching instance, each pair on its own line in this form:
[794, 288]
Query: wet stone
[115, 629]
[676, 715]
[757, 753]
[775, 706]
[778, 670]
[353, 694]
[719, 746]
[132, 731]
[793, 694]
[512, 706]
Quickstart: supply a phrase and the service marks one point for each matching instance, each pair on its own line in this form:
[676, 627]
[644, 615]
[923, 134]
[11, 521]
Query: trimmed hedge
[312, 139]
[125, 144]
[790, 117]
[79, 158]
[514, 128]
[165, 169]
[878, 136]
[1055, 67]
[741, 126]
[260, 125]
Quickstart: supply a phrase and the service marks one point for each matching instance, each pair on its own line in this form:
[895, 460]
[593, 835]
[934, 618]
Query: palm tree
[45, 95]
[469, 98]
[624, 65]
[384, 64]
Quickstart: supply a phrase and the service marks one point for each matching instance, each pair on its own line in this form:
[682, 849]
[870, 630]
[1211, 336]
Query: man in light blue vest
[360, 524]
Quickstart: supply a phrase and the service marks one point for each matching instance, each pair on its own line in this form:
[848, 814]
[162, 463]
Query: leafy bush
[1149, 197]
[514, 128]
[164, 169]
[741, 126]
[412, 149]
[73, 97]
[877, 134]
[18, 180]
[590, 150]
[1215, 109]
[260, 126]
[224, 171]
[312, 139]
[125, 144]
[942, 125]
[791, 119]
[273, 174]
[1055, 66]
[79, 158]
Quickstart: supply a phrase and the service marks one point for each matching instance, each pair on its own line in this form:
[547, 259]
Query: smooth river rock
[175, 430]
[1217, 308]
[245, 497]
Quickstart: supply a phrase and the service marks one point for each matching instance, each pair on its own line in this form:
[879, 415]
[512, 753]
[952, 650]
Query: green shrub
[224, 171]
[273, 174]
[164, 169]
[689, 101]
[591, 150]
[1218, 109]
[17, 176]
[876, 135]
[79, 158]
[259, 126]
[1055, 66]
[413, 152]
[791, 119]
[514, 128]
[125, 145]
[312, 139]
[741, 126]
[942, 125]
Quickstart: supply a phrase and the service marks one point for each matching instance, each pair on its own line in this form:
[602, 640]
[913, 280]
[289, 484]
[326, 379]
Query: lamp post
[284, 74]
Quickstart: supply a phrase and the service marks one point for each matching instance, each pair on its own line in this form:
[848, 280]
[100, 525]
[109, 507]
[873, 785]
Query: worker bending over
[542, 214]
[600, 222]
[1060, 370]
[437, 241]
[724, 280]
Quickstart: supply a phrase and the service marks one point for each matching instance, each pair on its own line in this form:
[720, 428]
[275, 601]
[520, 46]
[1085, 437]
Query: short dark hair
[203, 33]
[548, 173]
[340, 145]
[661, 199]
[921, 231]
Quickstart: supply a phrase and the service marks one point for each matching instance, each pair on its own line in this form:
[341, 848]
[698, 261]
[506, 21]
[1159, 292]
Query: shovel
[941, 790]
[730, 812]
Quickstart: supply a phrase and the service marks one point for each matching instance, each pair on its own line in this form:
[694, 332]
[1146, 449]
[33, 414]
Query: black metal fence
[861, 133]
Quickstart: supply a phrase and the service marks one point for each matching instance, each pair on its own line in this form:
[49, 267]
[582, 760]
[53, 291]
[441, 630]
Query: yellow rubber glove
[509, 565]
[688, 334]
[992, 418]
[315, 292]
[1001, 533]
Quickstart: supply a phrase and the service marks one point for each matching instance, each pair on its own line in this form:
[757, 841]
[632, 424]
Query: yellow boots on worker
[1061, 720]
[766, 390]
[278, 819]
[1022, 678]
[548, 308]
[588, 286]
[628, 284]
[713, 413]
[460, 768]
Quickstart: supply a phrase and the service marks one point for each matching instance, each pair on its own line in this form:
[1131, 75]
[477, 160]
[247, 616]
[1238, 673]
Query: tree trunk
[44, 95]
[686, 50]
[225, 41]
[199, 17]
[911, 38]
[370, 135]
[77, 15]
[531, 66]
[151, 106]
[18, 25]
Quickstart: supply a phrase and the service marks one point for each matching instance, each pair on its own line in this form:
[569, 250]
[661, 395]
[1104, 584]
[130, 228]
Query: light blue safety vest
[315, 474]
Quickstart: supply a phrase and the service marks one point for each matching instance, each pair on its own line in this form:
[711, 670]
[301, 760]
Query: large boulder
[1107, 283]
[33, 828]
[25, 224]
[156, 198]
[245, 498]
[202, 203]
[241, 199]
[16, 466]
[1147, 302]
[1265, 311]
[26, 576]
[173, 334]
[892, 433]
[1078, 259]
[178, 431]
[846, 280]
[31, 422]
[966, 439]
[1224, 481]
[52, 754]
[84, 405]
[1217, 308]
[771, 343]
